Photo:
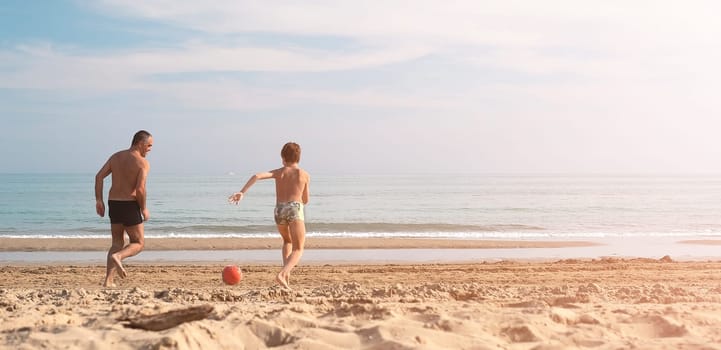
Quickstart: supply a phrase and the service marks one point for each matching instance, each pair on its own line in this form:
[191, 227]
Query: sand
[566, 304]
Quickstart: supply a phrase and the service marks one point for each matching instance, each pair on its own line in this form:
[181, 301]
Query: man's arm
[140, 191]
[99, 177]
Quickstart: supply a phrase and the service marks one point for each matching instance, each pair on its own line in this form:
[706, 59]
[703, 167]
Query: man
[126, 202]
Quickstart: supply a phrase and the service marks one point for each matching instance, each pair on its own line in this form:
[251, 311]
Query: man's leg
[137, 242]
[297, 238]
[118, 241]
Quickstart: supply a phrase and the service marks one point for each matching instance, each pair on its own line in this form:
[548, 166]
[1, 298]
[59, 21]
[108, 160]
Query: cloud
[592, 40]
[508, 85]
[198, 59]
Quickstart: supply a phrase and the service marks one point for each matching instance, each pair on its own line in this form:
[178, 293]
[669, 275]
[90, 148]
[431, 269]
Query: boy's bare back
[291, 184]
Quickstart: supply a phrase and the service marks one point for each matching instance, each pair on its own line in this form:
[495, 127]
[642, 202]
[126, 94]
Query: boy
[291, 191]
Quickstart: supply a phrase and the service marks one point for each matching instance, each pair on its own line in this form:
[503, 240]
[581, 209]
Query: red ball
[232, 274]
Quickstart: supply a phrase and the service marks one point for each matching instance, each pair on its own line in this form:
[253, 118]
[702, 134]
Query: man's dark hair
[139, 136]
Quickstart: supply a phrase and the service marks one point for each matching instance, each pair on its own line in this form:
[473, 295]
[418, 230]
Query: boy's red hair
[291, 152]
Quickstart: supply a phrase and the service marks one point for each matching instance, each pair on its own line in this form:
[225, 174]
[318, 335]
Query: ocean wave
[359, 230]
[379, 227]
[374, 230]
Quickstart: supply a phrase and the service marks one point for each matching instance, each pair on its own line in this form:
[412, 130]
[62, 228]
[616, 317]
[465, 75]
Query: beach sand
[606, 303]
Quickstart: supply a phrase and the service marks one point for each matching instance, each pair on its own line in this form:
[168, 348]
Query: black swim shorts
[124, 212]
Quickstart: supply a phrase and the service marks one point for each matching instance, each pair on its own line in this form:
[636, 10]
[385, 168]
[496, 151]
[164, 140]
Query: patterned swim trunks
[288, 212]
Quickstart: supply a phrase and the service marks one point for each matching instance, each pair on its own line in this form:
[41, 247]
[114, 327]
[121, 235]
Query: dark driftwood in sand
[169, 319]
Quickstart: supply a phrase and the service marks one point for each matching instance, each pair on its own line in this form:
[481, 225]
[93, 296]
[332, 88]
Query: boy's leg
[118, 241]
[287, 245]
[297, 238]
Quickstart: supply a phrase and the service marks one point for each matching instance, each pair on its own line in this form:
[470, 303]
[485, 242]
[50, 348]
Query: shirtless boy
[126, 202]
[291, 190]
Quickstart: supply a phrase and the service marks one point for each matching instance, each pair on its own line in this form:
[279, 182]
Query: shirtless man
[291, 194]
[126, 202]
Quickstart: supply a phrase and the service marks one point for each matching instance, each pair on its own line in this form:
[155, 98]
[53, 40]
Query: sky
[368, 87]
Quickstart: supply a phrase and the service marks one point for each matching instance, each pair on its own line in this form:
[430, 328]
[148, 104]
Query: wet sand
[92, 244]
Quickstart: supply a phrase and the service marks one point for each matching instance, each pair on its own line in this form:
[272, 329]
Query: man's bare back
[129, 170]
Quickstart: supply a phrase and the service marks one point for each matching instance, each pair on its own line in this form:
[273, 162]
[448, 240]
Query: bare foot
[121, 270]
[109, 285]
[282, 281]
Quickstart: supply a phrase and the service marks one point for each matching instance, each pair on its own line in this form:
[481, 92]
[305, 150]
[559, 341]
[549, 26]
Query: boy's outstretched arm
[237, 196]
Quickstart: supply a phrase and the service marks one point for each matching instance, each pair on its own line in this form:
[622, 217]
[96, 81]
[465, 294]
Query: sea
[456, 206]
